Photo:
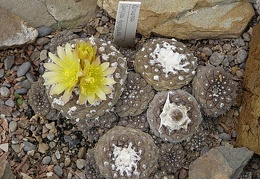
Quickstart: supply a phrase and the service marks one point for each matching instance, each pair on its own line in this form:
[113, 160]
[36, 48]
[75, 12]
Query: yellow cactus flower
[64, 73]
[85, 50]
[94, 84]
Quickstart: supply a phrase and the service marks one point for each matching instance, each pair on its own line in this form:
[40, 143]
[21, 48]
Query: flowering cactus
[79, 67]
[99, 72]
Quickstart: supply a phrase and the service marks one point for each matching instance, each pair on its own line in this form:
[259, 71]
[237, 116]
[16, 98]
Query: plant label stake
[126, 23]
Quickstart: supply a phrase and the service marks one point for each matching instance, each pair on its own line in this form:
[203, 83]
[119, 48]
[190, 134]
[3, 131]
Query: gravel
[23, 69]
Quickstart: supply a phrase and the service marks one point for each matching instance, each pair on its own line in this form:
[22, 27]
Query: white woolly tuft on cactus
[173, 116]
[126, 160]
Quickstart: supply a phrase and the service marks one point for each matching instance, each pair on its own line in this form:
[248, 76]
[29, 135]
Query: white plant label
[126, 23]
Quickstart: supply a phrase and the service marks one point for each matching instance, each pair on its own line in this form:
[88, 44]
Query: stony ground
[40, 148]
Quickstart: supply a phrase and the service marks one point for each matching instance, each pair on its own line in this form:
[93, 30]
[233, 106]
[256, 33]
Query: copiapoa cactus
[214, 89]
[174, 115]
[125, 152]
[165, 64]
[86, 78]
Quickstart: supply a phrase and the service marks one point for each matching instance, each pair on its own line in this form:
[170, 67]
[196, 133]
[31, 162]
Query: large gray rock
[190, 19]
[34, 12]
[14, 31]
[60, 13]
[223, 162]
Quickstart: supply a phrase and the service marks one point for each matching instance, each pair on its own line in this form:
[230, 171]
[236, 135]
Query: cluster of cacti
[87, 81]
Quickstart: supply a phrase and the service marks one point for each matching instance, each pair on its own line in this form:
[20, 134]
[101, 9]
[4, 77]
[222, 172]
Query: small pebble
[2, 73]
[234, 134]
[216, 58]
[227, 47]
[14, 140]
[239, 73]
[16, 113]
[104, 19]
[80, 163]
[28, 146]
[57, 154]
[43, 147]
[9, 102]
[52, 144]
[25, 84]
[4, 91]
[21, 91]
[224, 136]
[44, 30]
[8, 62]
[73, 143]
[42, 41]
[31, 77]
[246, 37]
[13, 126]
[23, 69]
[16, 148]
[241, 56]
[67, 138]
[183, 174]
[103, 30]
[239, 42]
[225, 62]
[43, 55]
[50, 136]
[58, 170]
[67, 161]
[35, 56]
[207, 51]
[46, 160]
[82, 152]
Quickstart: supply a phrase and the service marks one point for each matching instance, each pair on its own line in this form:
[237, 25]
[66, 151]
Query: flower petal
[96, 62]
[104, 66]
[106, 89]
[100, 93]
[109, 81]
[51, 66]
[55, 59]
[57, 89]
[61, 53]
[82, 98]
[109, 71]
[91, 98]
[66, 95]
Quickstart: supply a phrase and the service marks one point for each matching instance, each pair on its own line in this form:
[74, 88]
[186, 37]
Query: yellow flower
[86, 51]
[64, 73]
[94, 84]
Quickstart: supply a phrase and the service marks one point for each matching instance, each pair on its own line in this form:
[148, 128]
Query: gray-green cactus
[214, 89]
[174, 115]
[165, 64]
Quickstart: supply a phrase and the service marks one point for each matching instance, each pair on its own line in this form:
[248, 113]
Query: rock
[44, 30]
[248, 126]
[80, 163]
[189, 19]
[4, 91]
[256, 4]
[58, 170]
[67, 161]
[9, 102]
[2, 73]
[8, 62]
[28, 146]
[46, 160]
[42, 41]
[216, 58]
[15, 32]
[34, 12]
[12, 126]
[43, 55]
[71, 13]
[21, 91]
[82, 152]
[241, 56]
[222, 162]
[23, 69]
[43, 147]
